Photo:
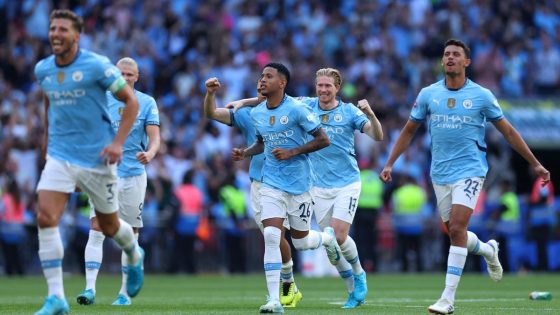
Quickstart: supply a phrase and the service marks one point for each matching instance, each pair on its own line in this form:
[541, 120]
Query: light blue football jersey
[457, 121]
[242, 120]
[137, 140]
[79, 122]
[287, 127]
[335, 166]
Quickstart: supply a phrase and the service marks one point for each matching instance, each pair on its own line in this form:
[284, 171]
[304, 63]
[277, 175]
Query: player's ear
[467, 62]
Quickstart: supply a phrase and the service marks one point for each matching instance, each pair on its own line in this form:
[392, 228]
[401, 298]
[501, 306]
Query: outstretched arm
[373, 127]
[518, 144]
[218, 114]
[403, 141]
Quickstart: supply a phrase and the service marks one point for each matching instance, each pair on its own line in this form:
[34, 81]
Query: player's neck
[455, 82]
[273, 101]
[328, 105]
[68, 57]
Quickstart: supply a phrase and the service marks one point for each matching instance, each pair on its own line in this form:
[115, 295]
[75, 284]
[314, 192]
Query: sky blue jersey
[335, 166]
[79, 123]
[287, 127]
[137, 140]
[242, 120]
[457, 121]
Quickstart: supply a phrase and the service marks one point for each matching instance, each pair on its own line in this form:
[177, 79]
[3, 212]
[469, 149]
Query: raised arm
[403, 141]
[373, 127]
[518, 144]
[210, 111]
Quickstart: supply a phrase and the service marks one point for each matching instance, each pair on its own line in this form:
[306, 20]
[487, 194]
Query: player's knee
[46, 219]
[301, 243]
[457, 231]
[272, 236]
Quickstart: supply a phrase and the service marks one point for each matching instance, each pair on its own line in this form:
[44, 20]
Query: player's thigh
[466, 192]
[443, 197]
[346, 202]
[132, 191]
[57, 176]
[299, 211]
[100, 184]
[322, 205]
[56, 183]
[273, 203]
[256, 205]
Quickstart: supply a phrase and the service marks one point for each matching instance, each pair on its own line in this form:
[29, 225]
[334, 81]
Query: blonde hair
[330, 72]
[128, 62]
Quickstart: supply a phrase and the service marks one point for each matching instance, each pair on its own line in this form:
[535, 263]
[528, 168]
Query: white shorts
[100, 183]
[257, 207]
[132, 191]
[464, 192]
[339, 203]
[280, 204]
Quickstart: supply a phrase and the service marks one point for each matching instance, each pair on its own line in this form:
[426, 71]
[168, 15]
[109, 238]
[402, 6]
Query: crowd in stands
[386, 50]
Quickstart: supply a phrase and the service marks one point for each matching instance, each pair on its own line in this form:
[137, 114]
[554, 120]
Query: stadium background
[386, 51]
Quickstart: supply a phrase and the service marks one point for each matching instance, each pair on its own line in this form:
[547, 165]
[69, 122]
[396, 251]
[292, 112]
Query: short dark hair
[77, 21]
[281, 69]
[456, 42]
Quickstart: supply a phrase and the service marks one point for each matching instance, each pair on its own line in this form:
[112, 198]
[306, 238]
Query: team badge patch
[60, 77]
[338, 118]
[467, 104]
[77, 76]
[284, 120]
[451, 103]
[121, 110]
[325, 118]
[272, 120]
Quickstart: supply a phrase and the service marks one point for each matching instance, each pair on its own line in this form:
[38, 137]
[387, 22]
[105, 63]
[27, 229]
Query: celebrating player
[458, 110]
[132, 181]
[337, 188]
[282, 125]
[242, 119]
[82, 150]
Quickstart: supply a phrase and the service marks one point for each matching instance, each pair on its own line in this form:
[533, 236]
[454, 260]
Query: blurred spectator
[186, 224]
[408, 201]
[12, 232]
[541, 220]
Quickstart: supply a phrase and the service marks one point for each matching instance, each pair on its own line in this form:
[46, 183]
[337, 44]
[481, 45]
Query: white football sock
[272, 261]
[455, 264]
[287, 272]
[93, 256]
[51, 253]
[124, 270]
[350, 253]
[476, 247]
[126, 241]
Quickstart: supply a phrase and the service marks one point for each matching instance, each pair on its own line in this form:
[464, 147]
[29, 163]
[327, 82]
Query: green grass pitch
[214, 294]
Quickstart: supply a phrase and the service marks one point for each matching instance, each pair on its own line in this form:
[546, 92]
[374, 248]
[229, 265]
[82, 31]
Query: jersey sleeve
[109, 76]
[491, 109]
[152, 116]
[308, 119]
[241, 118]
[359, 119]
[306, 100]
[420, 107]
[254, 120]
